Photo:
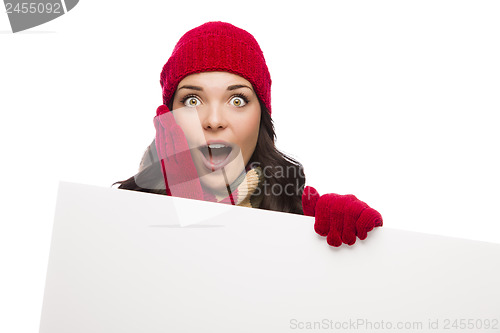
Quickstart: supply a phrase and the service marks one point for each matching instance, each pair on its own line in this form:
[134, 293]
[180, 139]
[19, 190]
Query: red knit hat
[217, 46]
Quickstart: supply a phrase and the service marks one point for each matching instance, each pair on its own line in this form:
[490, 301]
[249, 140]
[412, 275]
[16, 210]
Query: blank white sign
[120, 261]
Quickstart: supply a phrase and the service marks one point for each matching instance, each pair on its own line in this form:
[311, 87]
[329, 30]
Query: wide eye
[192, 101]
[237, 101]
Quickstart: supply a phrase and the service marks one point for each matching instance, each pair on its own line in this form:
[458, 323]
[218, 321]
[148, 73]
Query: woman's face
[219, 113]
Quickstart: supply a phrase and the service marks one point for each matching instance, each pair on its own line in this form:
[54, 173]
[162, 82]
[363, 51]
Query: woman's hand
[179, 172]
[339, 217]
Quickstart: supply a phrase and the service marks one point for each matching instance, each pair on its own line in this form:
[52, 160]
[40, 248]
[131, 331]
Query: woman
[215, 137]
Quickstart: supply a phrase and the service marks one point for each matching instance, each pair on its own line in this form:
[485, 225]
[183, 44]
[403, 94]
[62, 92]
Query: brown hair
[280, 172]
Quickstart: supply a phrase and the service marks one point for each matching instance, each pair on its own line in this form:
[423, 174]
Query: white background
[393, 101]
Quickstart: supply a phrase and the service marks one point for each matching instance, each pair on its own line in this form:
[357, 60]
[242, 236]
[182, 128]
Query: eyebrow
[233, 87]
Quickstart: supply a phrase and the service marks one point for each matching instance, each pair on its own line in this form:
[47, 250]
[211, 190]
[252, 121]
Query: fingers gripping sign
[339, 217]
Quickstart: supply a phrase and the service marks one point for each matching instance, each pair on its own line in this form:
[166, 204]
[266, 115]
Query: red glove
[339, 217]
[179, 172]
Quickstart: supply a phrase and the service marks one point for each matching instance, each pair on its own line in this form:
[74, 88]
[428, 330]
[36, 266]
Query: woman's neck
[225, 192]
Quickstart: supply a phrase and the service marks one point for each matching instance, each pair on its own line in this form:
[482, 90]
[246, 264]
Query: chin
[216, 181]
[215, 184]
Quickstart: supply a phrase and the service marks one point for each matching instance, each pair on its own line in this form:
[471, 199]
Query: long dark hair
[284, 177]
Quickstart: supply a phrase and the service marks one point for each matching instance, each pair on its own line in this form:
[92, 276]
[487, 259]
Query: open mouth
[216, 155]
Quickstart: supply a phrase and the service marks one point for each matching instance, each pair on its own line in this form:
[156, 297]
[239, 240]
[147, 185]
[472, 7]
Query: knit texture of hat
[217, 46]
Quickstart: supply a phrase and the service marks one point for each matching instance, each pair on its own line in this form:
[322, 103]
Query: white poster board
[120, 261]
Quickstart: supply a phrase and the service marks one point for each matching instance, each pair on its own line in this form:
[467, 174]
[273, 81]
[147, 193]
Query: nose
[213, 118]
